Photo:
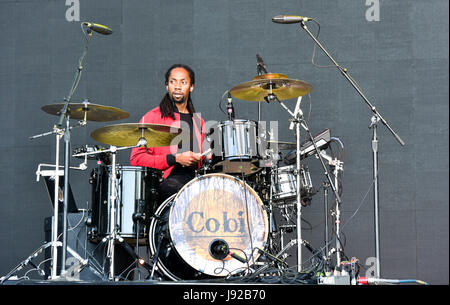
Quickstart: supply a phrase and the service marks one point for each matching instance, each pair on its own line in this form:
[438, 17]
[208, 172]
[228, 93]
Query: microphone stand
[65, 115]
[374, 121]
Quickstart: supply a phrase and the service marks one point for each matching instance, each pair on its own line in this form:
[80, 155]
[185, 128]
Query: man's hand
[188, 158]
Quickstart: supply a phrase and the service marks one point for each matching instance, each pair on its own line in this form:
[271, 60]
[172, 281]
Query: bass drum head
[209, 208]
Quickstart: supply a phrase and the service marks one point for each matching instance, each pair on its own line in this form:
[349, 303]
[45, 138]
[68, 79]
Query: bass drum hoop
[153, 244]
[171, 202]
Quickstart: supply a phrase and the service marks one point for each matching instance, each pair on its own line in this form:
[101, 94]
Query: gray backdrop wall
[400, 61]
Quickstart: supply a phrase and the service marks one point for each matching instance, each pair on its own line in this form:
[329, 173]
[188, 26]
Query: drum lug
[88, 220]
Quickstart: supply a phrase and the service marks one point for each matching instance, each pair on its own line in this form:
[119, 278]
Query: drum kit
[219, 224]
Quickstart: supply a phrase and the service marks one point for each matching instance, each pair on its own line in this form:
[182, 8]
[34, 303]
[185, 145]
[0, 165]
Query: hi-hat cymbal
[93, 112]
[279, 84]
[129, 134]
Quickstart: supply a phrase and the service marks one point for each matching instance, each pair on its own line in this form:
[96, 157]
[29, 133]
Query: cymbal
[128, 134]
[283, 145]
[279, 84]
[94, 112]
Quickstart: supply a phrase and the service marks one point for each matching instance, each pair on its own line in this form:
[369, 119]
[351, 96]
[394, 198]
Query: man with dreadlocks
[178, 162]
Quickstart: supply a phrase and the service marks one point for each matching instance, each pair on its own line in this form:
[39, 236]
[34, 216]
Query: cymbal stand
[113, 235]
[60, 132]
[298, 120]
[374, 120]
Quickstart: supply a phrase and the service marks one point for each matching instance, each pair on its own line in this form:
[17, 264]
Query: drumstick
[206, 152]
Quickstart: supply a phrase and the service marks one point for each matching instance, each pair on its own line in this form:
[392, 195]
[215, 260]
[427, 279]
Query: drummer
[178, 161]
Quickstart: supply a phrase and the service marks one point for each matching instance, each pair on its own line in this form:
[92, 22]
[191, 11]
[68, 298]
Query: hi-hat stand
[374, 121]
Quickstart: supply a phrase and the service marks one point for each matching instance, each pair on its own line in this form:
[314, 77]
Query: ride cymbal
[129, 134]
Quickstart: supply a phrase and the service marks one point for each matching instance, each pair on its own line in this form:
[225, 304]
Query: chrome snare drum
[238, 147]
[284, 186]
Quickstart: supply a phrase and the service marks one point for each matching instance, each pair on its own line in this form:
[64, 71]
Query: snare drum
[238, 147]
[137, 190]
[209, 209]
[284, 188]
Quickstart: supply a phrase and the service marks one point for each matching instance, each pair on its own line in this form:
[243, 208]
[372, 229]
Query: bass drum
[210, 208]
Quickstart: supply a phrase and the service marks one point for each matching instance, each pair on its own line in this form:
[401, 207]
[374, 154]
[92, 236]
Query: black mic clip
[230, 107]
[260, 66]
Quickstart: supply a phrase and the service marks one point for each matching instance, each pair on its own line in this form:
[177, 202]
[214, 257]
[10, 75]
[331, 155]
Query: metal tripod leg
[155, 258]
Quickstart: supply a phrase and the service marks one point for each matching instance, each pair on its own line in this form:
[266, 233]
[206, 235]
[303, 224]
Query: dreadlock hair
[167, 105]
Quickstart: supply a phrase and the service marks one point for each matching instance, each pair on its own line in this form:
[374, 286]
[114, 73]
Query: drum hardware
[102, 157]
[376, 117]
[299, 121]
[138, 218]
[325, 202]
[126, 135]
[275, 257]
[190, 223]
[81, 263]
[66, 111]
[230, 108]
[337, 166]
[113, 234]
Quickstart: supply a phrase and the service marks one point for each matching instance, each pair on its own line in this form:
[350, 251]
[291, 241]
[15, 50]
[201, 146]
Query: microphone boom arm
[345, 73]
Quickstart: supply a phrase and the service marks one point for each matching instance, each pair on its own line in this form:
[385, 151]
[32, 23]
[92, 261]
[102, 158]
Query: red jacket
[156, 156]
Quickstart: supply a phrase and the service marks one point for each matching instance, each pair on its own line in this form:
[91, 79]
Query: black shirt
[179, 169]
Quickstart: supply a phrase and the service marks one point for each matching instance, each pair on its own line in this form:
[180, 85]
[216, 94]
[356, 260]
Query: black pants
[173, 184]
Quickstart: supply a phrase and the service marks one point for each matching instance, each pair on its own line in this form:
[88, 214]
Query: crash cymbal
[283, 145]
[260, 87]
[94, 112]
[128, 134]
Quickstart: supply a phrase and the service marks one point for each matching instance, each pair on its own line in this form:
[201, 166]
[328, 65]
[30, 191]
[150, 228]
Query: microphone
[230, 108]
[287, 19]
[261, 67]
[219, 249]
[104, 30]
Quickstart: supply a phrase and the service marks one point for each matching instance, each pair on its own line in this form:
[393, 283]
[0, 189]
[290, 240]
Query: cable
[220, 102]
[315, 46]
